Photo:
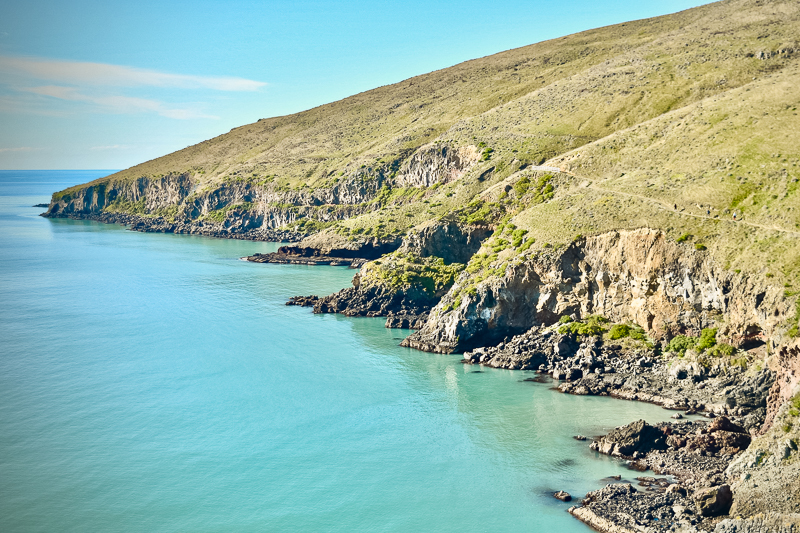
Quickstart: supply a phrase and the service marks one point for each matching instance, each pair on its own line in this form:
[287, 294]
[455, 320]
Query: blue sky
[91, 84]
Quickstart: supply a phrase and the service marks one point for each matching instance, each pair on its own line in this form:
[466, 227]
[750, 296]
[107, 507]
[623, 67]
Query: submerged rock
[563, 496]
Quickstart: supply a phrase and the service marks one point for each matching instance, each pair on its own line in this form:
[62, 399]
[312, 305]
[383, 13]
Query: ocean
[153, 382]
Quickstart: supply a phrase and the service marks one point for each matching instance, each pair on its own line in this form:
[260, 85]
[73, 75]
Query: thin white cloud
[118, 103]
[20, 149]
[111, 147]
[103, 74]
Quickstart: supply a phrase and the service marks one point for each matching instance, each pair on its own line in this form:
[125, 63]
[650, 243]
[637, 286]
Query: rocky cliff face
[437, 163]
[407, 283]
[767, 475]
[237, 206]
[152, 194]
[453, 242]
[637, 276]
[262, 205]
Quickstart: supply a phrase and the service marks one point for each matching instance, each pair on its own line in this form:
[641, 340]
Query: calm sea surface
[156, 383]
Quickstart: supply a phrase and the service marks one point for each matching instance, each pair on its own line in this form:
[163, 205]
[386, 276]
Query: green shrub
[708, 338]
[592, 325]
[566, 319]
[517, 236]
[721, 350]
[699, 246]
[795, 401]
[680, 343]
[522, 185]
[619, 331]
[683, 238]
[527, 244]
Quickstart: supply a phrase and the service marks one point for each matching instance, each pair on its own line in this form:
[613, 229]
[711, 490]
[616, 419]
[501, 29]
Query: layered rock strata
[237, 206]
[639, 276]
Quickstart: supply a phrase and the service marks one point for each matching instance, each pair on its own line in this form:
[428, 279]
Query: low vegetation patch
[590, 326]
[406, 271]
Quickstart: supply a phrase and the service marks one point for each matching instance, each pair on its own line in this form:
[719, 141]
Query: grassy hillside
[674, 122]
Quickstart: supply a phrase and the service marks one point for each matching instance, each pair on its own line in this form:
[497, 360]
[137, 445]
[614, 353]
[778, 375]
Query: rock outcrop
[766, 477]
[406, 285]
[453, 242]
[235, 206]
[635, 439]
[437, 163]
[639, 276]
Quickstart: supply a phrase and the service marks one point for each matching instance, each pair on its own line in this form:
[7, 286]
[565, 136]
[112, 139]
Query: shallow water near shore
[155, 382]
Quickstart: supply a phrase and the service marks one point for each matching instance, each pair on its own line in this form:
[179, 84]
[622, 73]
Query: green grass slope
[538, 100]
[674, 122]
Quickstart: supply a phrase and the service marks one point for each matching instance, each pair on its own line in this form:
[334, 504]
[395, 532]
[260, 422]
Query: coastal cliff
[638, 276]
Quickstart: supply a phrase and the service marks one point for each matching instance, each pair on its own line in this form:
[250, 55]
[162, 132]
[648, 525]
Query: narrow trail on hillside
[669, 207]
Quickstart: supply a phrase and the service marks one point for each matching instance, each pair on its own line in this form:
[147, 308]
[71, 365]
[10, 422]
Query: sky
[90, 84]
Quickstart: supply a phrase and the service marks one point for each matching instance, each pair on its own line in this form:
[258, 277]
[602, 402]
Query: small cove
[154, 382]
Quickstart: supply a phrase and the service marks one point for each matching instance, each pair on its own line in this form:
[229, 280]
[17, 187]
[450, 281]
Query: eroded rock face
[449, 240]
[766, 477]
[787, 382]
[437, 163]
[638, 276]
[247, 206]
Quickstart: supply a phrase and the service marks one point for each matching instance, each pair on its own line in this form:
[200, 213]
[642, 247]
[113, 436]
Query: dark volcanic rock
[303, 301]
[376, 301]
[193, 227]
[406, 321]
[293, 255]
[588, 366]
[637, 438]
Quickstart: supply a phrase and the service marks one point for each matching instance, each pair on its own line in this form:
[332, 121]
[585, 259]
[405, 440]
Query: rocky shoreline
[285, 257]
[156, 224]
[632, 371]
[699, 468]
[699, 460]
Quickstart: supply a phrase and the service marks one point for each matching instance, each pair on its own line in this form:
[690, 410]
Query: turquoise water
[156, 383]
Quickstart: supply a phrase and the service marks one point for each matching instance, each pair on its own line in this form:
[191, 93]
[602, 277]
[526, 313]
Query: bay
[155, 382]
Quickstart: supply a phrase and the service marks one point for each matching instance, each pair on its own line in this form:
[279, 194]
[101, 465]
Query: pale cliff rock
[637, 275]
[247, 205]
[437, 163]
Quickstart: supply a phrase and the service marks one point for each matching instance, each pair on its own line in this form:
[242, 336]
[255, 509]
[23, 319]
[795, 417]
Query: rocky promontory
[405, 285]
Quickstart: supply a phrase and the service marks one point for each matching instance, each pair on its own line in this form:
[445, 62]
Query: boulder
[713, 501]
[563, 496]
[565, 347]
[636, 437]
[686, 370]
[723, 423]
